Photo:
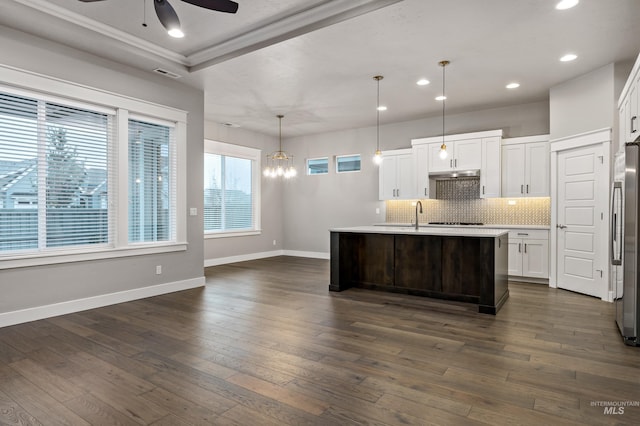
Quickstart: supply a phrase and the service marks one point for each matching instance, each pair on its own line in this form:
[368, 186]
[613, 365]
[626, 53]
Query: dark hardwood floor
[265, 343]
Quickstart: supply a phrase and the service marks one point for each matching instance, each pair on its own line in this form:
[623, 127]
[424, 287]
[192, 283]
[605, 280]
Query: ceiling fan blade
[217, 5]
[166, 14]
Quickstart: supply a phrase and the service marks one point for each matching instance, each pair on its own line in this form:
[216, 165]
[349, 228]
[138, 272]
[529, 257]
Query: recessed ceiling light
[422, 82]
[566, 4]
[440, 98]
[382, 108]
[568, 57]
[512, 85]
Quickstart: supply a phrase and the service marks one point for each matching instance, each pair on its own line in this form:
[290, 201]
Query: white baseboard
[48, 311]
[242, 258]
[310, 254]
[264, 255]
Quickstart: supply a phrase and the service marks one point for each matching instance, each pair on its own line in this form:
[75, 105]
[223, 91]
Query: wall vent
[166, 73]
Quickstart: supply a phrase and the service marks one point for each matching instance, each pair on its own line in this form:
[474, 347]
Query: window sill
[69, 256]
[227, 234]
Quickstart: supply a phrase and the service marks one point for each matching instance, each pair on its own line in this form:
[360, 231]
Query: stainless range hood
[454, 174]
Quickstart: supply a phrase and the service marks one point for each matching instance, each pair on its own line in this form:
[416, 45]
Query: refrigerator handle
[616, 241]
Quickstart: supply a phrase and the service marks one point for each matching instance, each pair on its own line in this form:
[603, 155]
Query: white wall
[271, 201]
[583, 104]
[314, 204]
[37, 287]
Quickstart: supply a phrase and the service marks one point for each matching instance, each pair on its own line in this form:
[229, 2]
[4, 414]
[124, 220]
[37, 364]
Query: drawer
[536, 234]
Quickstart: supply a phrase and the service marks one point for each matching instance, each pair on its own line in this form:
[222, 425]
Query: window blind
[152, 164]
[54, 175]
[229, 196]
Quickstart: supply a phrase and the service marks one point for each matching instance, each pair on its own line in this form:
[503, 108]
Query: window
[348, 163]
[318, 166]
[150, 163]
[231, 189]
[53, 171]
[73, 186]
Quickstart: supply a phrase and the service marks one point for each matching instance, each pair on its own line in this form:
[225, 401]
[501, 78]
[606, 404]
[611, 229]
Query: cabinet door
[490, 170]
[437, 164]
[513, 170]
[421, 155]
[515, 257]
[468, 154]
[535, 258]
[634, 109]
[406, 177]
[387, 177]
[537, 169]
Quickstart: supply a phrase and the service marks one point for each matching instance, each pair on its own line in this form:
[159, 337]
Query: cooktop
[456, 223]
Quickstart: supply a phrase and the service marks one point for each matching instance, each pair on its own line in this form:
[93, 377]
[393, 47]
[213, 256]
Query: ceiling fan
[169, 18]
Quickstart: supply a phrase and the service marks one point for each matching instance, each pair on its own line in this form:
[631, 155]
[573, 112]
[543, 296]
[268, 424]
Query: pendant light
[443, 147]
[279, 163]
[377, 157]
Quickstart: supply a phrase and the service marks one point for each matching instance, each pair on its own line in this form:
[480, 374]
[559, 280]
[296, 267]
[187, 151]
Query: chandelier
[279, 163]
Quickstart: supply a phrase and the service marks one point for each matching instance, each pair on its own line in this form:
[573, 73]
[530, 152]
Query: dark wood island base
[466, 268]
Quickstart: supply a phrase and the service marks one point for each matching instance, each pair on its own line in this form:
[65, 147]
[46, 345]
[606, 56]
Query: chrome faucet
[418, 204]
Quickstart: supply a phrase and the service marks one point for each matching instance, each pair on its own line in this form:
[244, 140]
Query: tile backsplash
[458, 202]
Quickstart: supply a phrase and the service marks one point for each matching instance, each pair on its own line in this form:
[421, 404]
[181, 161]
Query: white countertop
[487, 226]
[455, 231]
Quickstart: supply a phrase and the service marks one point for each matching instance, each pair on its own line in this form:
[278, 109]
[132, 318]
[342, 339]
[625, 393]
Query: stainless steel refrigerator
[625, 257]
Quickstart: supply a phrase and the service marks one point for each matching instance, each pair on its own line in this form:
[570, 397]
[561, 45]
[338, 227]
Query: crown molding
[106, 30]
[311, 19]
[316, 17]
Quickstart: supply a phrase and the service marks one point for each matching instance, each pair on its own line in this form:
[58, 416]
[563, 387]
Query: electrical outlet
[193, 211]
[158, 269]
[377, 210]
[274, 242]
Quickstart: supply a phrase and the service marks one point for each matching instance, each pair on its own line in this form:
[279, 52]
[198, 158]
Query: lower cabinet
[467, 269]
[529, 254]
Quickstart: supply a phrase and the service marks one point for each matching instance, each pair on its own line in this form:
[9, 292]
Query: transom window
[348, 163]
[318, 166]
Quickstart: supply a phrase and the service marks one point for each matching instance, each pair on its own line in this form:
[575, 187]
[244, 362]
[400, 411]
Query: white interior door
[580, 225]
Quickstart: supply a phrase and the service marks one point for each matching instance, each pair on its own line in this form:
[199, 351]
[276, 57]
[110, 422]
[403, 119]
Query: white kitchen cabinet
[462, 155]
[421, 157]
[528, 254]
[397, 179]
[629, 106]
[490, 178]
[525, 167]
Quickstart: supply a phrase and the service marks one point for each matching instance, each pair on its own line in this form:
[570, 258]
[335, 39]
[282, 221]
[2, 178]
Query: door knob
[561, 226]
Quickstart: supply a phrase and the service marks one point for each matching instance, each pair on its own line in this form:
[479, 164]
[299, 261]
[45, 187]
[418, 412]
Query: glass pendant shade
[443, 151]
[377, 157]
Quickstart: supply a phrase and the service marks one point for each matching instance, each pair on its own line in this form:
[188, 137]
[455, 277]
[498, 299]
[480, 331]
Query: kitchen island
[454, 263]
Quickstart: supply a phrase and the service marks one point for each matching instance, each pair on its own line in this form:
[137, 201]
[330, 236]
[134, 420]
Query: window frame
[338, 157]
[317, 158]
[24, 83]
[247, 153]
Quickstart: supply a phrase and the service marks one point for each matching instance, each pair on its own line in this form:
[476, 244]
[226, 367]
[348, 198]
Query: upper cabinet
[490, 178]
[461, 155]
[629, 107]
[421, 157]
[525, 167]
[468, 151]
[397, 175]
